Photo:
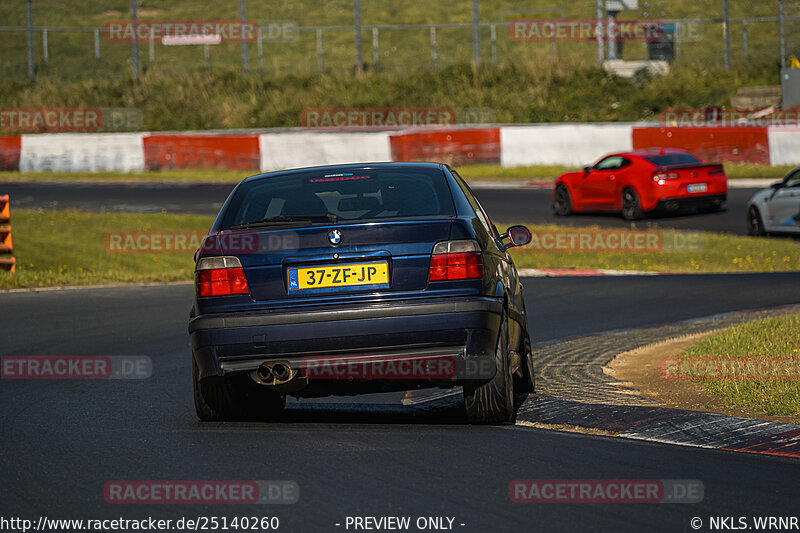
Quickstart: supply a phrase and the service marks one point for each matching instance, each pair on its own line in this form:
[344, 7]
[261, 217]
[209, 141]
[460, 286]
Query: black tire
[527, 382]
[755, 225]
[562, 204]
[234, 399]
[631, 209]
[493, 401]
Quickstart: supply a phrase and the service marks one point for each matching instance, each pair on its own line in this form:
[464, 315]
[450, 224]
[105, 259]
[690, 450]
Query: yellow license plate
[333, 277]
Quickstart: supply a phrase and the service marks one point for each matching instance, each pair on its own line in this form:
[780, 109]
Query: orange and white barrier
[573, 145]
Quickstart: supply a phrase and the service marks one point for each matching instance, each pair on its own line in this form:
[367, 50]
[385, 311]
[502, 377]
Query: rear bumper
[405, 330]
[691, 202]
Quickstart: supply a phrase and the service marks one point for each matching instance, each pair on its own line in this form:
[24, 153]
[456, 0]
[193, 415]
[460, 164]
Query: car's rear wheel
[631, 208]
[231, 399]
[526, 382]
[755, 226]
[493, 401]
[562, 205]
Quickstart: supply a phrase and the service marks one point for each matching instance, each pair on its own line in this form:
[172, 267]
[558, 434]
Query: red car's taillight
[220, 276]
[455, 260]
[665, 176]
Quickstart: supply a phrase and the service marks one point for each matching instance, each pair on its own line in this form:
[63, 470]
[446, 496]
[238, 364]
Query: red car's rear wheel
[631, 208]
[562, 204]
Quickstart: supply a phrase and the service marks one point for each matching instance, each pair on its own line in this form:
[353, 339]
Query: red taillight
[456, 260]
[665, 176]
[220, 276]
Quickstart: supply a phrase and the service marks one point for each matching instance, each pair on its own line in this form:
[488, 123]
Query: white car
[777, 209]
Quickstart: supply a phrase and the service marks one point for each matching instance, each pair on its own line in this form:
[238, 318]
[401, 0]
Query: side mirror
[778, 185]
[517, 236]
[586, 170]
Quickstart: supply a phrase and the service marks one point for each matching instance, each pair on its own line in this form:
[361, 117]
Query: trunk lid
[694, 177]
[288, 262]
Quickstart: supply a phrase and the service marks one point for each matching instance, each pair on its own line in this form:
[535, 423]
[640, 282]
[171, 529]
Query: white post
[260, 49]
[375, 46]
[494, 43]
[433, 44]
[319, 49]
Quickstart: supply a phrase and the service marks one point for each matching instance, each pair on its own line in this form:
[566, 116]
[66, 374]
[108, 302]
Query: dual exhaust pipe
[274, 373]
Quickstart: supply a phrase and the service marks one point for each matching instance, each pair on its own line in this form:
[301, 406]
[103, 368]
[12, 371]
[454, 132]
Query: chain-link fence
[307, 36]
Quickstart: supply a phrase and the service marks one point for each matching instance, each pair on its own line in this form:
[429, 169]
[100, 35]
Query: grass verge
[469, 172]
[677, 251]
[68, 248]
[188, 176]
[753, 342]
[480, 172]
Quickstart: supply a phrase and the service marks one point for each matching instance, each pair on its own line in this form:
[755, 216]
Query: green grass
[755, 341]
[489, 172]
[747, 170]
[199, 175]
[469, 172]
[524, 92]
[681, 252]
[68, 248]
[477, 172]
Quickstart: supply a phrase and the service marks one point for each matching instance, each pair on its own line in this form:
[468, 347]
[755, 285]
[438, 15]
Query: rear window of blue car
[667, 160]
[350, 195]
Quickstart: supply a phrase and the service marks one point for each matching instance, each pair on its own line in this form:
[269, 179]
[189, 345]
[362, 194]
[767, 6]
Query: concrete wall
[575, 145]
[82, 152]
[302, 149]
[572, 145]
[784, 146]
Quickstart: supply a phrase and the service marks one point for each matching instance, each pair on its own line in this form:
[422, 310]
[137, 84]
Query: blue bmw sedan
[353, 279]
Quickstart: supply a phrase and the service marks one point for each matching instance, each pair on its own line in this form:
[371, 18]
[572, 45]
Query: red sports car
[642, 181]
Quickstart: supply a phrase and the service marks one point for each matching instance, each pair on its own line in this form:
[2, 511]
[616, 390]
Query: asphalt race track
[533, 206]
[63, 440]
[134, 197]
[504, 205]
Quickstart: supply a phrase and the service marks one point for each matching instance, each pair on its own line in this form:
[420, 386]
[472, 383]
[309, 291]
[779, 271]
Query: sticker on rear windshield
[338, 177]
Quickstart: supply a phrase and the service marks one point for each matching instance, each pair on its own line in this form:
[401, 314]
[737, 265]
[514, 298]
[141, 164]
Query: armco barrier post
[6, 245]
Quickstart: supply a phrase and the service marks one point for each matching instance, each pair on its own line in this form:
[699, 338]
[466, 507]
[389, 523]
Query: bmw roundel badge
[335, 237]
